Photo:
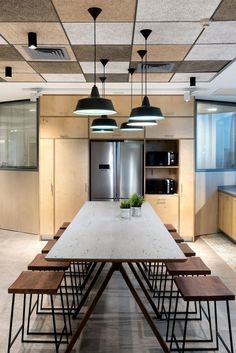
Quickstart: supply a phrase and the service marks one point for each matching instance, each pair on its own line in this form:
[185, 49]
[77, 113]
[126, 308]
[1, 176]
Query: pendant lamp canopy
[94, 105]
[145, 112]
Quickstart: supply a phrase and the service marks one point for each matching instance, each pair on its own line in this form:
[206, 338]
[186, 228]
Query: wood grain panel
[172, 128]
[46, 187]
[71, 178]
[64, 127]
[20, 198]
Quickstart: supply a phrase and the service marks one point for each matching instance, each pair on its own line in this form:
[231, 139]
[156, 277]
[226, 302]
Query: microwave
[160, 186]
[156, 158]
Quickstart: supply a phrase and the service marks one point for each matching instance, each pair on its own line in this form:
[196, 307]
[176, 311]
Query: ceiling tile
[201, 66]
[8, 52]
[200, 77]
[169, 32]
[226, 11]
[2, 40]
[212, 52]
[24, 78]
[162, 77]
[28, 58]
[109, 77]
[47, 33]
[219, 32]
[55, 67]
[64, 77]
[111, 52]
[77, 11]
[27, 10]
[162, 52]
[17, 67]
[107, 33]
[171, 10]
[113, 67]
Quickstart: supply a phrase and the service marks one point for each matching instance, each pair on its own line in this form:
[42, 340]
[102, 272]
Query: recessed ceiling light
[32, 40]
[213, 109]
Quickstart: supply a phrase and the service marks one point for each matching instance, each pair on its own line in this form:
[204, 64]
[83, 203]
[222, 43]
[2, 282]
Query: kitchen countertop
[228, 189]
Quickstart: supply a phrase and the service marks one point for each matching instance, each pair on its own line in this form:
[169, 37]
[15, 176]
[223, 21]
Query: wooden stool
[203, 289]
[188, 252]
[58, 233]
[177, 237]
[65, 225]
[29, 283]
[48, 246]
[170, 227]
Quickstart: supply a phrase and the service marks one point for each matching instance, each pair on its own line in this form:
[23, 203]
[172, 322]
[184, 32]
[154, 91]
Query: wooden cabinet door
[46, 186]
[71, 178]
[63, 127]
[167, 208]
[220, 210]
[234, 219]
[227, 214]
[172, 128]
[186, 188]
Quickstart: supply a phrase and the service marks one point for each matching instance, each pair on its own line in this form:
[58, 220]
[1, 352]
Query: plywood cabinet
[63, 181]
[63, 127]
[186, 189]
[58, 105]
[166, 206]
[172, 128]
[227, 214]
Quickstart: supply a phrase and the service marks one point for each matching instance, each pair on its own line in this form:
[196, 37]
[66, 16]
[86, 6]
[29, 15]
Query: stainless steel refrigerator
[116, 169]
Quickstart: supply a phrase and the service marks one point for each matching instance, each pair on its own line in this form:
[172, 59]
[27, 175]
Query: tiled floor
[117, 324]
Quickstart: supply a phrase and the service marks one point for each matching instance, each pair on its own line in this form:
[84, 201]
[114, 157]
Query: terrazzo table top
[229, 189]
[97, 233]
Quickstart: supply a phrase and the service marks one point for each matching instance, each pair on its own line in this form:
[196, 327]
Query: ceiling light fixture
[103, 123]
[8, 71]
[146, 111]
[94, 105]
[124, 126]
[32, 40]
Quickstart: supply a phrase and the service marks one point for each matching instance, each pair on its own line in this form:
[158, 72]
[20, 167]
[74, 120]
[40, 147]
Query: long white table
[97, 234]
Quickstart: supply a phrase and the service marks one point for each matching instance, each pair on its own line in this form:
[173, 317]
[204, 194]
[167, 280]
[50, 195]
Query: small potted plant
[125, 209]
[136, 202]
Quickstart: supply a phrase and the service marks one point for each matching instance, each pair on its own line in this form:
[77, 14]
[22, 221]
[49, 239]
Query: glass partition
[18, 135]
[215, 136]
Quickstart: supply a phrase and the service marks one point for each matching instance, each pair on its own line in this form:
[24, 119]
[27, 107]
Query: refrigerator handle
[118, 170]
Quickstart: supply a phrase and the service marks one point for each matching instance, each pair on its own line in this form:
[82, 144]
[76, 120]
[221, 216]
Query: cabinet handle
[52, 189]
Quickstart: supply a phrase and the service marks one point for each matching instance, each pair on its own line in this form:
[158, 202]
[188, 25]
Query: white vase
[136, 211]
[125, 212]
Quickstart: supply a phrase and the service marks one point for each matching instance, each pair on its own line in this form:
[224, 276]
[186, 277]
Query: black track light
[32, 40]
[8, 71]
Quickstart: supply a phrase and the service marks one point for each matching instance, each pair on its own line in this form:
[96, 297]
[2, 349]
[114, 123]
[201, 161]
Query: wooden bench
[177, 238]
[29, 283]
[48, 246]
[203, 289]
[170, 227]
[188, 252]
[58, 233]
[65, 225]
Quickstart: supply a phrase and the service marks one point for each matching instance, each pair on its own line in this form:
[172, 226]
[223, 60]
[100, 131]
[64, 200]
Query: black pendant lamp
[146, 111]
[94, 105]
[103, 123]
[8, 71]
[32, 40]
[124, 126]
[141, 121]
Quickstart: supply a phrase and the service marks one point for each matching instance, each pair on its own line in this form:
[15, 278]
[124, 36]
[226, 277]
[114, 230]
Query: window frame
[26, 169]
[195, 134]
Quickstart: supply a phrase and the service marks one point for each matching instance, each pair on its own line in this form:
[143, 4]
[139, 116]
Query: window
[215, 136]
[18, 135]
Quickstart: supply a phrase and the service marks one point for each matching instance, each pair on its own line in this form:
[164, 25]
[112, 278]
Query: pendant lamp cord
[146, 67]
[103, 84]
[142, 81]
[95, 51]
[131, 91]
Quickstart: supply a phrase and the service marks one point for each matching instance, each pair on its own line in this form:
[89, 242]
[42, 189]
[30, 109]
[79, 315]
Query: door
[129, 168]
[103, 170]
[71, 178]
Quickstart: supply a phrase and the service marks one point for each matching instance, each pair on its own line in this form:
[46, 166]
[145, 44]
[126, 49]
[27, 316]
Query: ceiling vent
[157, 67]
[47, 53]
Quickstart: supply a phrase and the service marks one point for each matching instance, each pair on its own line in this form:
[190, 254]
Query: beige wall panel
[206, 203]
[167, 207]
[63, 127]
[71, 178]
[234, 219]
[59, 105]
[117, 134]
[46, 186]
[20, 198]
[172, 128]
[186, 189]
